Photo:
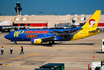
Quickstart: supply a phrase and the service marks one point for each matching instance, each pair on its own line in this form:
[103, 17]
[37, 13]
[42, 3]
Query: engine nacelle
[36, 41]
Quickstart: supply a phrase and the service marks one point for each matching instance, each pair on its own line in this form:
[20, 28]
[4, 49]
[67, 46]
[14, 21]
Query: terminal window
[24, 19]
[17, 19]
[75, 18]
[83, 18]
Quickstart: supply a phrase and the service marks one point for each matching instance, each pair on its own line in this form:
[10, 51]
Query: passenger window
[103, 43]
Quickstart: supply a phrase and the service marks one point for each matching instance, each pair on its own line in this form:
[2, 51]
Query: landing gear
[15, 42]
[60, 42]
[51, 42]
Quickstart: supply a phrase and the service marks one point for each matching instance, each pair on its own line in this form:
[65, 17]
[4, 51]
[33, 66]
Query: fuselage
[28, 34]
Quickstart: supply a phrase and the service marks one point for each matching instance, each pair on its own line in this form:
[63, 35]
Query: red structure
[19, 24]
[38, 24]
[88, 66]
[100, 24]
[31, 24]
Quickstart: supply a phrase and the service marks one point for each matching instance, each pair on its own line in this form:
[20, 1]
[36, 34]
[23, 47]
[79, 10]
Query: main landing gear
[51, 42]
[15, 42]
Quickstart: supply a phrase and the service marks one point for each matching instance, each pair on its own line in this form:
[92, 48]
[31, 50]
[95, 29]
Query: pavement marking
[23, 56]
[6, 64]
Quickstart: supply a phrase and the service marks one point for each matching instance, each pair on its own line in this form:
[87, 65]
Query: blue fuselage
[28, 34]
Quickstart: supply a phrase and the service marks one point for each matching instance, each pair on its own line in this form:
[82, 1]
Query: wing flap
[48, 39]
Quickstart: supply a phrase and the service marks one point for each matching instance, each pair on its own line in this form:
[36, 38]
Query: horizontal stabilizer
[94, 31]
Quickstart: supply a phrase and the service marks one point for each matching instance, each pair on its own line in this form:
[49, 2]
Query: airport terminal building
[40, 21]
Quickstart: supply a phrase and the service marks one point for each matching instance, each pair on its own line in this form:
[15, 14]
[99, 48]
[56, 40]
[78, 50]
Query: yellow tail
[93, 21]
[90, 28]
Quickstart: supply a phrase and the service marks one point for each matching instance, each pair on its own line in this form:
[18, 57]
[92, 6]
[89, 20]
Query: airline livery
[38, 36]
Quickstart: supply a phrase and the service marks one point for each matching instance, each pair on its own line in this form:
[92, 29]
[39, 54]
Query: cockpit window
[10, 33]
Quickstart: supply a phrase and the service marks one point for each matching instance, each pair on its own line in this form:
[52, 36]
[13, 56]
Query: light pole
[54, 14]
[40, 13]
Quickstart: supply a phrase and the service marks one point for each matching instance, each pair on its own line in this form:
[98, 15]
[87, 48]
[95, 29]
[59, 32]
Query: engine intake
[36, 41]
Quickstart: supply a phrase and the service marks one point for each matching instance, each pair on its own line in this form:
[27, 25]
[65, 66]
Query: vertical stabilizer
[93, 21]
[89, 29]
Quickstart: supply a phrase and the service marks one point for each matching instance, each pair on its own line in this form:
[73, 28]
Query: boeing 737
[38, 36]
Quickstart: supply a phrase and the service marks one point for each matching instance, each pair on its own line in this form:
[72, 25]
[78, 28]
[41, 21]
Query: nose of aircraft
[7, 36]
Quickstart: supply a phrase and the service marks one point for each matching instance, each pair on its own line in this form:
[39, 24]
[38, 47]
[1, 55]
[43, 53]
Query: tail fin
[93, 21]
[89, 28]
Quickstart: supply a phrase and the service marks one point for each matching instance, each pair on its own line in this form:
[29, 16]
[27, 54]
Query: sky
[59, 7]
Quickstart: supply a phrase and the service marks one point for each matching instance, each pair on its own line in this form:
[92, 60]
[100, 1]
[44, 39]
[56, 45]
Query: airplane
[9, 26]
[5, 26]
[6, 23]
[38, 36]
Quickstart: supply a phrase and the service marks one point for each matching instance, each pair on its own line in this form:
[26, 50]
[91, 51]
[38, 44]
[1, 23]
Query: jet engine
[36, 41]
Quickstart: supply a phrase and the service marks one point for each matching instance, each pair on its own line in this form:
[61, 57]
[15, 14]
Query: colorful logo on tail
[92, 22]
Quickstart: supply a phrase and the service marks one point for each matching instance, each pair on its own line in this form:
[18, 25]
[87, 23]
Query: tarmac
[76, 55]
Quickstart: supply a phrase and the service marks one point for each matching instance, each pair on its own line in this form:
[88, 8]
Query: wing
[67, 34]
[48, 39]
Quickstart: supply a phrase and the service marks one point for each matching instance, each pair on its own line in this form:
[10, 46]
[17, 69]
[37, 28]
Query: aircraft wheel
[49, 42]
[15, 42]
[53, 42]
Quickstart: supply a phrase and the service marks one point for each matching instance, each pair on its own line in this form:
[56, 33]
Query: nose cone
[7, 36]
